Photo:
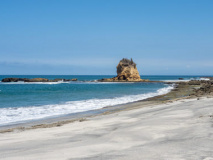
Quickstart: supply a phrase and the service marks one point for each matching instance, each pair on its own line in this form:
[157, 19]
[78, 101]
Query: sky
[90, 37]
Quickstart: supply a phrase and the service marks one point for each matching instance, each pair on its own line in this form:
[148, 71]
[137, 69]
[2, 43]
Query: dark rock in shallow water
[10, 80]
[35, 80]
[14, 79]
[23, 79]
[194, 82]
[56, 80]
[39, 80]
[206, 87]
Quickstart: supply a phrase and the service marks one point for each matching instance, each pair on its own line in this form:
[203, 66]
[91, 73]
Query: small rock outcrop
[10, 80]
[201, 87]
[205, 89]
[36, 80]
[126, 71]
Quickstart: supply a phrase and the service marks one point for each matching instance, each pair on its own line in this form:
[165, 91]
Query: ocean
[21, 102]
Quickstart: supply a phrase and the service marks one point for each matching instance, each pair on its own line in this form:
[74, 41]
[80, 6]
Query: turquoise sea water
[21, 101]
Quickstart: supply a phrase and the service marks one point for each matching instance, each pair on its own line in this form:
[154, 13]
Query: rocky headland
[200, 87]
[36, 80]
[126, 72]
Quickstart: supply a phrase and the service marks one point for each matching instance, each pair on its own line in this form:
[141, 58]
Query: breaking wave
[22, 114]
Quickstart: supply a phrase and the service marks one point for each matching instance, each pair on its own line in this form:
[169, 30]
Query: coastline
[177, 93]
[172, 129]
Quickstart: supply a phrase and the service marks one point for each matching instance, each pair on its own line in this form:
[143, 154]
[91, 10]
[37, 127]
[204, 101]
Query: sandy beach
[176, 130]
[106, 80]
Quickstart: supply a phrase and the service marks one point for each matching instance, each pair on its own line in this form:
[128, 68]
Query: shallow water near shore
[21, 101]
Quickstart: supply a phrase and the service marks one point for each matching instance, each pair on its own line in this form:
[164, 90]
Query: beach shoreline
[176, 125]
[178, 92]
[148, 132]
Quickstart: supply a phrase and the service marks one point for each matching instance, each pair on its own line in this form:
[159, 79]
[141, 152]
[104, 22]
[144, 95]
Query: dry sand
[182, 130]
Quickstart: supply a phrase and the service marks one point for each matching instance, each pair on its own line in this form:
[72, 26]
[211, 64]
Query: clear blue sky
[167, 37]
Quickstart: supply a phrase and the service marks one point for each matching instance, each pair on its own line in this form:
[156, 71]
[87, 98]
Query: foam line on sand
[179, 130]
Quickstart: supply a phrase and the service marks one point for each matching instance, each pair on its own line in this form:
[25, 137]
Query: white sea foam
[187, 80]
[205, 79]
[15, 115]
[94, 82]
[173, 81]
[21, 82]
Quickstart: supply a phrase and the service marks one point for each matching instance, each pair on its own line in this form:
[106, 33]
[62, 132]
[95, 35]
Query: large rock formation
[126, 71]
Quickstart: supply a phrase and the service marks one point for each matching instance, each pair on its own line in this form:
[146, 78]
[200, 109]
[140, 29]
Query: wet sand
[180, 92]
[173, 130]
[172, 126]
